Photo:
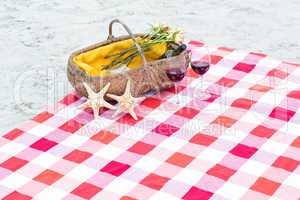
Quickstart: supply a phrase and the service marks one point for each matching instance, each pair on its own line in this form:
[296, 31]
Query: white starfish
[96, 100]
[126, 102]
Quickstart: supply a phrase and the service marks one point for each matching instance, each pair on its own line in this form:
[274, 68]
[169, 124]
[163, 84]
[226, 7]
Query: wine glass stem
[204, 94]
[202, 87]
[176, 92]
[201, 82]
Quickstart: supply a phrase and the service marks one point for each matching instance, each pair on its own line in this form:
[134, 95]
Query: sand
[37, 37]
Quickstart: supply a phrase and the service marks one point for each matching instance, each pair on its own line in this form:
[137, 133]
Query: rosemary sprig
[157, 35]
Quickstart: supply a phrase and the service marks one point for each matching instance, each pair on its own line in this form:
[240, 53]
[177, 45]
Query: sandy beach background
[37, 37]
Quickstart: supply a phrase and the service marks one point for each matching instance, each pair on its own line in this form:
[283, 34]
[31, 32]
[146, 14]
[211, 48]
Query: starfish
[126, 102]
[96, 100]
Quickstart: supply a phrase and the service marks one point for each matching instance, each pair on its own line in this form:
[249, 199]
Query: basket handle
[110, 37]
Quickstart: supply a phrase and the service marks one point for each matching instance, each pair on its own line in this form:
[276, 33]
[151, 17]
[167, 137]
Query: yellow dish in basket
[92, 61]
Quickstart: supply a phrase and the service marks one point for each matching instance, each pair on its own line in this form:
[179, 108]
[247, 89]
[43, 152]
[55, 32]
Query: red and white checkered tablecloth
[242, 143]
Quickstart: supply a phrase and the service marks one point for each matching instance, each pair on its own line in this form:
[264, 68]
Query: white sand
[37, 37]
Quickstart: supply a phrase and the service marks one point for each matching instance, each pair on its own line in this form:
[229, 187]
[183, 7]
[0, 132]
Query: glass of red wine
[200, 64]
[176, 72]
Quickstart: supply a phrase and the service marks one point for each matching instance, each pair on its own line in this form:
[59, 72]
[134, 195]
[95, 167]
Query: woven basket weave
[151, 76]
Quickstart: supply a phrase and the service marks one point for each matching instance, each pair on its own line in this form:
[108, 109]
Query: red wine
[175, 74]
[200, 67]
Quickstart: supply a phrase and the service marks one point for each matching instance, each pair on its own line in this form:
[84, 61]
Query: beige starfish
[126, 102]
[96, 100]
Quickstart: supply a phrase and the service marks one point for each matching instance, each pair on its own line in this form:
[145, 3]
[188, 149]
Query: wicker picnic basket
[150, 76]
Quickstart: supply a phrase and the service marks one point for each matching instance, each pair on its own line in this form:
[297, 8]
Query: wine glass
[176, 71]
[200, 66]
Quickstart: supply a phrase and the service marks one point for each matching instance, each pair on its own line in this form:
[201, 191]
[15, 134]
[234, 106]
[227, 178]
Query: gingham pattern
[242, 143]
